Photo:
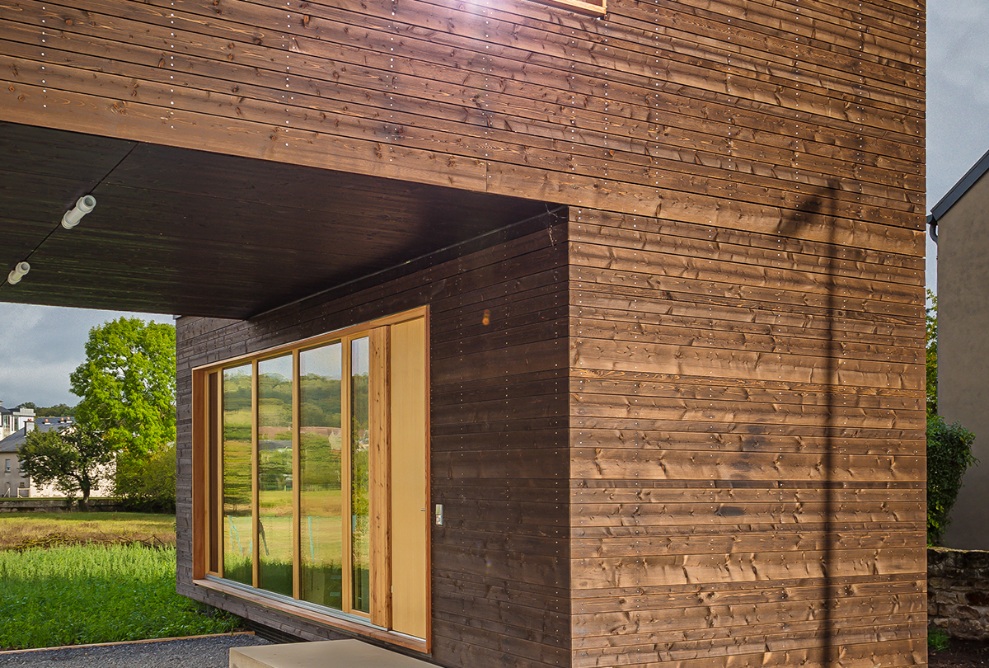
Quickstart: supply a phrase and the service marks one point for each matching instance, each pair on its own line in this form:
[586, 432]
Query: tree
[127, 385]
[58, 410]
[73, 459]
[148, 484]
[949, 454]
[949, 447]
[931, 317]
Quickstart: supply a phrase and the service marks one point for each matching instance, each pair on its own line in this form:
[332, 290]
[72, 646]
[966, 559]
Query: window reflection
[359, 475]
[275, 534]
[237, 418]
[320, 442]
[293, 434]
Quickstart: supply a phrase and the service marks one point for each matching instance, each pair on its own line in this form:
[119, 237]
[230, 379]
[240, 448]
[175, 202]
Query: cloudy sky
[957, 97]
[40, 346]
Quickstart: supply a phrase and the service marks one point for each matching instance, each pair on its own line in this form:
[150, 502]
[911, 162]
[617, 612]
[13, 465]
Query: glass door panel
[292, 440]
[321, 491]
[360, 447]
[237, 418]
[275, 502]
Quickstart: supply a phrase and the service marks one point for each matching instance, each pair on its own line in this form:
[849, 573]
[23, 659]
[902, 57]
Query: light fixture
[84, 205]
[18, 272]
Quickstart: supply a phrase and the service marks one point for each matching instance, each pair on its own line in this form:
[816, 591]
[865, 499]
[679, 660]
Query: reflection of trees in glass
[359, 476]
[275, 470]
[237, 387]
[321, 405]
[321, 527]
[274, 404]
[275, 512]
[236, 425]
[320, 442]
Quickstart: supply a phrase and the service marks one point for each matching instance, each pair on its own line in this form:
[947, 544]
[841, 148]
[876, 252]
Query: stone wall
[54, 505]
[958, 592]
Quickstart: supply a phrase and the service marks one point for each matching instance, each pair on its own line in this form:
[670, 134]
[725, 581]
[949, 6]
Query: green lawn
[116, 583]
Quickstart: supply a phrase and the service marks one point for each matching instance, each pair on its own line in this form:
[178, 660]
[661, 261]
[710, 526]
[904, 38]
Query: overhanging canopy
[198, 233]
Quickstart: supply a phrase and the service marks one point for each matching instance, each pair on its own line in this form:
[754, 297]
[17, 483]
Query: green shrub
[937, 639]
[147, 483]
[949, 454]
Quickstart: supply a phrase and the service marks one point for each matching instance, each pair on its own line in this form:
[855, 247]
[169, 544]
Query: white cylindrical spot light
[18, 272]
[84, 205]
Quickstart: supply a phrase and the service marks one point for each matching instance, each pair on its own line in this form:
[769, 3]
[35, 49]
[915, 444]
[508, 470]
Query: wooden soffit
[198, 233]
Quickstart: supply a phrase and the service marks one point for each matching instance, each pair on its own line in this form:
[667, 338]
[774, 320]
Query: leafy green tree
[127, 385]
[931, 317]
[949, 447]
[949, 454]
[73, 459]
[148, 483]
[58, 410]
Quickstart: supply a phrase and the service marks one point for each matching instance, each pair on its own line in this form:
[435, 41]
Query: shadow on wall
[817, 210]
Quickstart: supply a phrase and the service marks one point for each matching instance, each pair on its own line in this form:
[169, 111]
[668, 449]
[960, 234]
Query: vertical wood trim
[427, 477]
[409, 454]
[220, 545]
[255, 510]
[216, 481]
[200, 486]
[346, 577]
[380, 474]
[296, 480]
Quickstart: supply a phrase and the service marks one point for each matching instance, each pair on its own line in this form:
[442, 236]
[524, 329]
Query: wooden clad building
[514, 333]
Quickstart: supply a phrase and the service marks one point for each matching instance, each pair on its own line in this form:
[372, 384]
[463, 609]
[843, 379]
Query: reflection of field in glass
[237, 418]
[319, 528]
[275, 553]
[360, 439]
[238, 547]
[321, 546]
[275, 531]
[237, 534]
[320, 444]
[322, 549]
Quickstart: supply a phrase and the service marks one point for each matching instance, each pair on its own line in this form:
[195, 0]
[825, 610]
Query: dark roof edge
[976, 172]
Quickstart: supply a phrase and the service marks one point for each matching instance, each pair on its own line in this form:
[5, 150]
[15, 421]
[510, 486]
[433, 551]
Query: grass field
[19, 531]
[97, 577]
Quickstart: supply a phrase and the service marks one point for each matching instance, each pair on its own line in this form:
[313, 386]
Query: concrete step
[325, 654]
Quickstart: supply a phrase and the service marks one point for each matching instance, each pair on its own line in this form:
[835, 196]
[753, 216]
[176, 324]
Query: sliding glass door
[307, 455]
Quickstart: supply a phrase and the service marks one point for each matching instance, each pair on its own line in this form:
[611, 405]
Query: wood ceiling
[198, 233]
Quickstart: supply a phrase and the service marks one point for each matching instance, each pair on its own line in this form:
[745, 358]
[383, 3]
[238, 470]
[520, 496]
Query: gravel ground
[203, 652]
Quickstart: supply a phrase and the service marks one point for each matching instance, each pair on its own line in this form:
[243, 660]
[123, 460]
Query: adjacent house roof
[13, 442]
[958, 191]
[19, 409]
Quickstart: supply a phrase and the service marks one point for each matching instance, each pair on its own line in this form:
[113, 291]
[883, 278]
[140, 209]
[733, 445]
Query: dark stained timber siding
[704, 394]
[709, 111]
[747, 448]
[498, 442]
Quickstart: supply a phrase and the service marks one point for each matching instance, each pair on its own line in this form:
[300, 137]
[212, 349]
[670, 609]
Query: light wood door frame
[409, 484]
[379, 389]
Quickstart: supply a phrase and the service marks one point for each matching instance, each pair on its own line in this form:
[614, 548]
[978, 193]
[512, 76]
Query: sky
[957, 98]
[40, 346]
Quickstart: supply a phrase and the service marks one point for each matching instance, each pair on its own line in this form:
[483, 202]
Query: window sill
[346, 624]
